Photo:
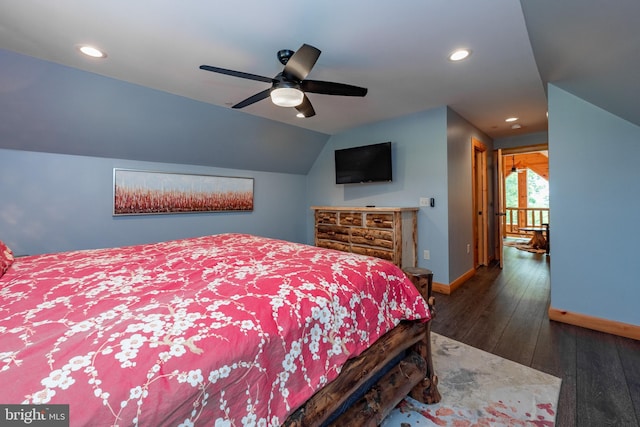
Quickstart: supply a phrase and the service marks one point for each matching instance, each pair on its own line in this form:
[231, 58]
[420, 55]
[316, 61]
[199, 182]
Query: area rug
[481, 389]
[523, 245]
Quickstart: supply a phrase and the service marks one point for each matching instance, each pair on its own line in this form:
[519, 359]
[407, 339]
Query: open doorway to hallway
[523, 202]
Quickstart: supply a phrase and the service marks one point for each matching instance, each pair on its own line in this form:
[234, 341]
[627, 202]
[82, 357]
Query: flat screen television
[367, 163]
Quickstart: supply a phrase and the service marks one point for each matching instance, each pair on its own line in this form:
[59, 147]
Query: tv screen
[368, 163]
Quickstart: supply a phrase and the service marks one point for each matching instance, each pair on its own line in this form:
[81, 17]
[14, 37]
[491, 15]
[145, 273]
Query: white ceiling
[397, 50]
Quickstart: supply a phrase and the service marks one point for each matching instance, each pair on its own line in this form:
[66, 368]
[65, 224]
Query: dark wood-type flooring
[504, 312]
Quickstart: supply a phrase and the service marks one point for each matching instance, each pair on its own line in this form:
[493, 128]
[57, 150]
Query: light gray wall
[419, 147]
[595, 200]
[57, 202]
[521, 140]
[460, 188]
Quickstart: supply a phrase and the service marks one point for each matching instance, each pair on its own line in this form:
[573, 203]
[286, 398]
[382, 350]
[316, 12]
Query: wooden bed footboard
[427, 390]
[413, 375]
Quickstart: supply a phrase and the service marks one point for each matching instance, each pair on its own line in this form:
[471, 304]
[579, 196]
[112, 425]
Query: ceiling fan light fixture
[287, 96]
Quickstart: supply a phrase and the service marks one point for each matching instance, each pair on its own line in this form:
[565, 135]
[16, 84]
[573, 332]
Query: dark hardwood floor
[504, 312]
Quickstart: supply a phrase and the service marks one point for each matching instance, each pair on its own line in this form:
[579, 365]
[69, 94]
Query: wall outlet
[424, 201]
[426, 254]
[468, 247]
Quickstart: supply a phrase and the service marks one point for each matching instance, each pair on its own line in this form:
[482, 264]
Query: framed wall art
[137, 192]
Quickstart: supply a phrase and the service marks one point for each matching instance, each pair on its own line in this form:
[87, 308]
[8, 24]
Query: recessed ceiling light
[516, 126]
[300, 115]
[92, 51]
[459, 54]
[511, 119]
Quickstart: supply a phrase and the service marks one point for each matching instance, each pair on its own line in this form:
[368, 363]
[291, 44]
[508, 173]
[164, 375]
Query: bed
[222, 330]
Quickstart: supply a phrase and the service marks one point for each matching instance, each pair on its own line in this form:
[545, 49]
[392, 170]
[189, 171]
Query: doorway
[480, 204]
[521, 208]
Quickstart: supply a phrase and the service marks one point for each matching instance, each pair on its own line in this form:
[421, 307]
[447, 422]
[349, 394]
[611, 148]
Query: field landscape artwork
[143, 192]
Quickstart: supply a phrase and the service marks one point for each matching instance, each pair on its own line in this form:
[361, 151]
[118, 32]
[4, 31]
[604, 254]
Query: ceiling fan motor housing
[282, 81]
[284, 55]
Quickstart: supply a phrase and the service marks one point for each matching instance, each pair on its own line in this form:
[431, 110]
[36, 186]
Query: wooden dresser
[384, 232]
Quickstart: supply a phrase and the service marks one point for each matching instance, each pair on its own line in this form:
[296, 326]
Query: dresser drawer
[330, 244]
[374, 252]
[333, 232]
[372, 237]
[326, 217]
[351, 218]
[379, 220]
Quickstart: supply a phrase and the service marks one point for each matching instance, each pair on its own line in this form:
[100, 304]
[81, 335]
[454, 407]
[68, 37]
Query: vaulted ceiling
[398, 51]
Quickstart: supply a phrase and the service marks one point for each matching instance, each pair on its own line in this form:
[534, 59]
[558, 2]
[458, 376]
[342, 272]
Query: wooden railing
[517, 218]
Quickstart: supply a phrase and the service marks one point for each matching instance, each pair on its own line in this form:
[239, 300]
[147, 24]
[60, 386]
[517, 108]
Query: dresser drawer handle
[377, 220]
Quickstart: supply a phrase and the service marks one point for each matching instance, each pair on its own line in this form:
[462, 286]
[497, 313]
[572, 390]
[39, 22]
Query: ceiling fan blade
[253, 99]
[301, 62]
[331, 88]
[306, 108]
[236, 74]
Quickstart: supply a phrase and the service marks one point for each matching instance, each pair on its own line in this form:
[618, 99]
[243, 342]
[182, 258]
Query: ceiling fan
[289, 88]
[513, 168]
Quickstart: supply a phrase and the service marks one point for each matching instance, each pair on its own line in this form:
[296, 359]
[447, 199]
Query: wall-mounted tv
[367, 163]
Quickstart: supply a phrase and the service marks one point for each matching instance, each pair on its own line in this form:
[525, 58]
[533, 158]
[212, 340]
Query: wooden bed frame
[413, 375]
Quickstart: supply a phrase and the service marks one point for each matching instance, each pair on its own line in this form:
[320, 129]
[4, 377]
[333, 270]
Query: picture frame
[139, 192]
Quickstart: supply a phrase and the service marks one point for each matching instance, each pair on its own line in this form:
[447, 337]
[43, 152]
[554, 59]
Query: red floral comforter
[223, 330]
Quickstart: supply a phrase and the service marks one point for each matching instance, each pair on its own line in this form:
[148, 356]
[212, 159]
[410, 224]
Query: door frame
[480, 203]
[500, 196]
[500, 212]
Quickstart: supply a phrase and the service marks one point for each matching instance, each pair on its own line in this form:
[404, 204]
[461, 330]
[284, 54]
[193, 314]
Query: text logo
[34, 415]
